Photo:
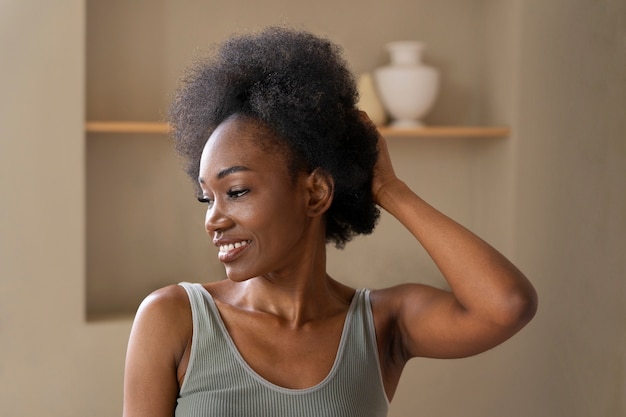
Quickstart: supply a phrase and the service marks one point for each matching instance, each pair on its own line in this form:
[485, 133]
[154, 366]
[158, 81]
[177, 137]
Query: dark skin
[281, 306]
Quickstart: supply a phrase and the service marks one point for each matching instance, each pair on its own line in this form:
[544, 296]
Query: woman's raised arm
[490, 298]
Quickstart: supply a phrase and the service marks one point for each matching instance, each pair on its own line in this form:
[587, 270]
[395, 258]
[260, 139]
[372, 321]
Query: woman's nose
[216, 219]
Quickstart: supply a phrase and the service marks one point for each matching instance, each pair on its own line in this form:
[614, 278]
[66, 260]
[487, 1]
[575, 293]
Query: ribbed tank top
[219, 382]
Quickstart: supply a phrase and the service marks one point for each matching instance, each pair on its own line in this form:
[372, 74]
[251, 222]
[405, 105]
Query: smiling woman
[286, 164]
[258, 212]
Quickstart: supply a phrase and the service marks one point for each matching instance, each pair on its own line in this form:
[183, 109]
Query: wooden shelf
[429, 131]
[126, 127]
[447, 131]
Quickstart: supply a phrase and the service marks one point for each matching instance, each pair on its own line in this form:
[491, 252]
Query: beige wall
[51, 362]
[551, 196]
[571, 196]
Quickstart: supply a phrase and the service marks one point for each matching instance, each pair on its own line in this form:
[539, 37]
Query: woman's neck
[306, 294]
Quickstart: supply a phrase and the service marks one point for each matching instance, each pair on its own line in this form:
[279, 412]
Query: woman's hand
[384, 174]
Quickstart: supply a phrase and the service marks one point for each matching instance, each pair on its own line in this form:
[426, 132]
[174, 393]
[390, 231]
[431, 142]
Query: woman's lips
[229, 251]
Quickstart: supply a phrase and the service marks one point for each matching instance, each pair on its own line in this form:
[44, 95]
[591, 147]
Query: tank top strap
[199, 310]
[363, 357]
[208, 347]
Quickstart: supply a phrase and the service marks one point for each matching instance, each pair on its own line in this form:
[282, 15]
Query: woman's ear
[320, 185]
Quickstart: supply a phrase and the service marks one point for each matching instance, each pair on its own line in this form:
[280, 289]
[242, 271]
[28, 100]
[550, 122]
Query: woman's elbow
[520, 307]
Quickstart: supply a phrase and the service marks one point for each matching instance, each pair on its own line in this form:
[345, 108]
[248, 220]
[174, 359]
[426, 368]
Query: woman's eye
[206, 200]
[237, 193]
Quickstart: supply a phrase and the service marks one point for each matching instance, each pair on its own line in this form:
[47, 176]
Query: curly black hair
[299, 85]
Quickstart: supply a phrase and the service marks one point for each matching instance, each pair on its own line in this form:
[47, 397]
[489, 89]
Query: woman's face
[256, 211]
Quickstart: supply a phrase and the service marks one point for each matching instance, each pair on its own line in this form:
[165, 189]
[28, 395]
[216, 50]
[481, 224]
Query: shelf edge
[447, 131]
[126, 127]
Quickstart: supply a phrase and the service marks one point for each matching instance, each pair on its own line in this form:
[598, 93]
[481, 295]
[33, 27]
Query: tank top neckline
[239, 357]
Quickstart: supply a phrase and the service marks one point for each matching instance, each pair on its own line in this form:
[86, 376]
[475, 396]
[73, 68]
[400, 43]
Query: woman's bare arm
[490, 298]
[159, 336]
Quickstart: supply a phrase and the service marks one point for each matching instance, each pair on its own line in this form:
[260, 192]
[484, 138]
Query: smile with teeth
[232, 246]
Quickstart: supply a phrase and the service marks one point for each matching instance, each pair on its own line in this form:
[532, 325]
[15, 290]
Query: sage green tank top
[220, 383]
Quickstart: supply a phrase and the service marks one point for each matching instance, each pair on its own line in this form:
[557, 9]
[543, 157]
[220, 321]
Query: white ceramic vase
[407, 88]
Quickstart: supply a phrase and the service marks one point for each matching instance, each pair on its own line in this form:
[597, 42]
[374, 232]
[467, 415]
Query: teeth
[231, 246]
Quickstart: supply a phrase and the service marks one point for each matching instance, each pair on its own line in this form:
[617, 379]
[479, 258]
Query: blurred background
[90, 223]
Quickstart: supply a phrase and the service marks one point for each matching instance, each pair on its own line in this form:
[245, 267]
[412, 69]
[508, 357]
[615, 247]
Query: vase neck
[405, 52]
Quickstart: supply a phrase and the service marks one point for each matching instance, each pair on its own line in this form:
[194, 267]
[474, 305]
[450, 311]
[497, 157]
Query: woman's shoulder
[161, 331]
[166, 299]
[166, 309]
[174, 299]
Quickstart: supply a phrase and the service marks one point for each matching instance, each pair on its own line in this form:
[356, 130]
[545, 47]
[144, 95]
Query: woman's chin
[238, 276]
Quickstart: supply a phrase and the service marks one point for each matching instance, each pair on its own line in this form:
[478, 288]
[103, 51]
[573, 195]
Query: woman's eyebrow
[227, 171]
[231, 170]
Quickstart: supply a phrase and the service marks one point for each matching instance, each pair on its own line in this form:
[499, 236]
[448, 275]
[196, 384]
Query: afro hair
[299, 85]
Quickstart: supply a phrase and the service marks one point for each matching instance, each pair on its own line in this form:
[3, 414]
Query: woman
[286, 164]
